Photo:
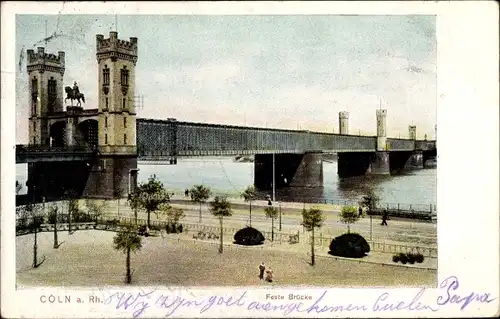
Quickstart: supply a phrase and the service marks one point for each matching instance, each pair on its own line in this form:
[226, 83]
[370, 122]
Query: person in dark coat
[360, 211]
[262, 268]
[385, 217]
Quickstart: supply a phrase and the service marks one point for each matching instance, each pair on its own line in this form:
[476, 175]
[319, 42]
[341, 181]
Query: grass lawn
[87, 258]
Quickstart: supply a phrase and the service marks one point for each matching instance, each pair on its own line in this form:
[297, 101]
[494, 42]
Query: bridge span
[165, 140]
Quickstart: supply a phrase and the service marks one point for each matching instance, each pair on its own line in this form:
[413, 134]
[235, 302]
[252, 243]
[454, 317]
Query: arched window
[34, 95]
[105, 75]
[124, 76]
[52, 96]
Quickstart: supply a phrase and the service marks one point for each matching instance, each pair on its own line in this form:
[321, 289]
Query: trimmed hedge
[248, 236]
[409, 258]
[350, 245]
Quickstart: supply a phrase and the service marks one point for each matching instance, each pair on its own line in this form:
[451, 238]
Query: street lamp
[134, 171]
[131, 171]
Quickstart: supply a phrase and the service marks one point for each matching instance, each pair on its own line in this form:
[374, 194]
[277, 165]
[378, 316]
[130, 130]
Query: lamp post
[274, 178]
[134, 171]
[280, 216]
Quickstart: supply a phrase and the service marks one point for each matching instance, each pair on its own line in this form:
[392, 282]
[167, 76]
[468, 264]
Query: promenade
[398, 231]
[87, 258]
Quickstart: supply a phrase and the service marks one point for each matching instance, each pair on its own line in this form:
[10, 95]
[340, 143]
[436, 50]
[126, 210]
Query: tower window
[123, 103]
[105, 75]
[107, 103]
[34, 127]
[124, 139]
[106, 139]
[106, 121]
[124, 122]
[52, 96]
[124, 76]
[34, 94]
[34, 139]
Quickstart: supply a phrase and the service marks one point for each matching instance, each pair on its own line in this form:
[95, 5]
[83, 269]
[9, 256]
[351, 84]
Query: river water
[224, 176]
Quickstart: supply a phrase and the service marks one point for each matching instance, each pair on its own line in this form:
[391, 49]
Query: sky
[294, 72]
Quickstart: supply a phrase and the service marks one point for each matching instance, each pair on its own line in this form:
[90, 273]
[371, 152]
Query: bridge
[94, 152]
[165, 140]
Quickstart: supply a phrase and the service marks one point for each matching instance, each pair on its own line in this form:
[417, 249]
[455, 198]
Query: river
[224, 176]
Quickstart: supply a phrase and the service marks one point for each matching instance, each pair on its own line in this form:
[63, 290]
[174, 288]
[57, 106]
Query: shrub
[411, 258]
[419, 258]
[180, 228]
[349, 245]
[395, 258]
[403, 258]
[248, 236]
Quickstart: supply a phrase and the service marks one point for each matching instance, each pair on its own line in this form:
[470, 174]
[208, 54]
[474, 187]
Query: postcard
[249, 159]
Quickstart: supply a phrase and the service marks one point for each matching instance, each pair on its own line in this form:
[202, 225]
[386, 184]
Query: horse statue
[73, 93]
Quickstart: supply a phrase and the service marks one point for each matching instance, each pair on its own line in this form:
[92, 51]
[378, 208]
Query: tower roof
[113, 47]
[40, 60]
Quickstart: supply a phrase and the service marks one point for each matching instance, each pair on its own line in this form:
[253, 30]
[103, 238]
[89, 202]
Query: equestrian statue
[74, 94]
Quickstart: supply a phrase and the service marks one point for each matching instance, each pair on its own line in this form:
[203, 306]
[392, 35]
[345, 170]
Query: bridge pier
[415, 161]
[295, 170]
[103, 177]
[380, 164]
[374, 163]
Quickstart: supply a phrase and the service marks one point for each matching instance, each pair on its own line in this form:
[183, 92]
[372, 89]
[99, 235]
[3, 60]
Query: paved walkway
[320, 252]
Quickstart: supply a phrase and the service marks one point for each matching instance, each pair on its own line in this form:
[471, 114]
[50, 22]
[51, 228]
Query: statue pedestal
[74, 109]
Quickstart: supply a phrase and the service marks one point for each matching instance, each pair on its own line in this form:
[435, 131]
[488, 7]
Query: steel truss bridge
[164, 140]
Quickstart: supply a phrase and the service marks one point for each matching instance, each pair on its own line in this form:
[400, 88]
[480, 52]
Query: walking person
[385, 217]
[269, 275]
[360, 211]
[262, 268]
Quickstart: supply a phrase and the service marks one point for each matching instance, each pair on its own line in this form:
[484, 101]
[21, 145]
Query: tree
[174, 215]
[220, 207]
[271, 212]
[369, 201]
[94, 209]
[249, 195]
[349, 215]
[200, 194]
[150, 196]
[312, 218]
[19, 187]
[127, 240]
[53, 210]
[32, 213]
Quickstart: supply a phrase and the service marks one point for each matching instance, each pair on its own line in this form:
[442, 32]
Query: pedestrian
[186, 192]
[385, 217]
[360, 210]
[262, 268]
[269, 275]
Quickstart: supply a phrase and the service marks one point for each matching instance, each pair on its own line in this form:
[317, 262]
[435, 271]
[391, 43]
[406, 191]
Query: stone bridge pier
[102, 177]
[290, 170]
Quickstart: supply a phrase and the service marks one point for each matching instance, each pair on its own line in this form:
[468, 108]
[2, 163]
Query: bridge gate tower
[45, 80]
[112, 175]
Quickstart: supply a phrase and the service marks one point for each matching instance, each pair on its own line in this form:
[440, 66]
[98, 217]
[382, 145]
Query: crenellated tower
[45, 76]
[116, 85]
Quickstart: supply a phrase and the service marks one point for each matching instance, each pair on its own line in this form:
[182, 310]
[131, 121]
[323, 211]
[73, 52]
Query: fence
[338, 202]
[431, 252]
